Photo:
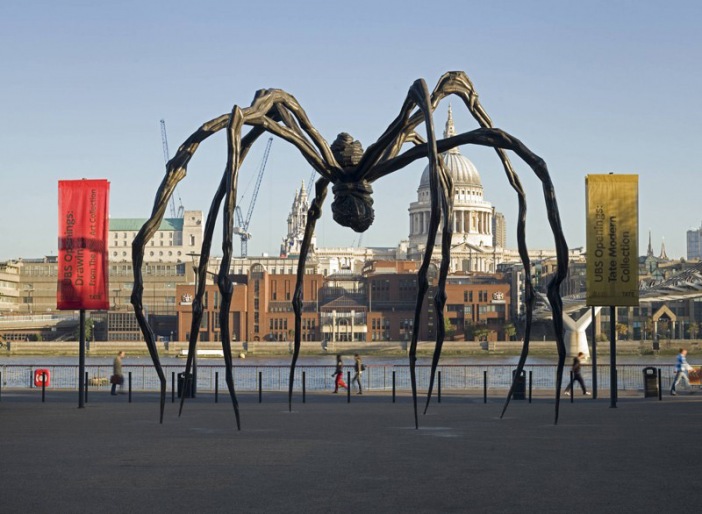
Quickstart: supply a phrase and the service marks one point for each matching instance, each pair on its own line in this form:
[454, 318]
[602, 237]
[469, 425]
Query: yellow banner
[612, 203]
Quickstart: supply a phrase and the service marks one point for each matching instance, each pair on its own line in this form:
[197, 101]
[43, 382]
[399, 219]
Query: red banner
[82, 249]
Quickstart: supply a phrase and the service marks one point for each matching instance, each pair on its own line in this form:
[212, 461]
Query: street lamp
[30, 290]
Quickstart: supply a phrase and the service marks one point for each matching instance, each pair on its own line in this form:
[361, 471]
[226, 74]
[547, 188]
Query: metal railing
[454, 377]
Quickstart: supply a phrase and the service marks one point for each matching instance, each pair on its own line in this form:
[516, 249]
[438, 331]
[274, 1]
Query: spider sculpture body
[351, 171]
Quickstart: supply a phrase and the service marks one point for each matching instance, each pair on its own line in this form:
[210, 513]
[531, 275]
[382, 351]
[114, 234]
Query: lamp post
[30, 290]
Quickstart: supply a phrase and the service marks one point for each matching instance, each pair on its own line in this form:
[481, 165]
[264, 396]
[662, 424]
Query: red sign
[42, 377]
[82, 249]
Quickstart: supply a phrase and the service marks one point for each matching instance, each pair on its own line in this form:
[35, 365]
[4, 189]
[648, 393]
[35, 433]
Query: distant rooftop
[135, 224]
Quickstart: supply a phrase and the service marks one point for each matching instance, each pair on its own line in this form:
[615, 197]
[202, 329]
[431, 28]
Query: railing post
[86, 387]
[485, 386]
[304, 378]
[530, 378]
[660, 389]
[216, 386]
[173, 386]
[572, 388]
[393, 386]
[439, 388]
[260, 387]
[43, 386]
[348, 387]
[130, 387]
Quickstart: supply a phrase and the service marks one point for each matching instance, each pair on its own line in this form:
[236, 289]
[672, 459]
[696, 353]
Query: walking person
[117, 377]
[681, 370]
[339, 373]
[575, 369]
[358, 369]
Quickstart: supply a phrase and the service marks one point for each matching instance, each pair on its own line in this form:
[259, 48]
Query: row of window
[482, 296]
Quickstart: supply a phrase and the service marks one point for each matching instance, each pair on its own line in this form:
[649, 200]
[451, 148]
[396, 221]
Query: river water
[273, 373]
[38, 361]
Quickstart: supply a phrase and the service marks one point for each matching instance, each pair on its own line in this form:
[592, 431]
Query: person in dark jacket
[576, 376]
[358, 368]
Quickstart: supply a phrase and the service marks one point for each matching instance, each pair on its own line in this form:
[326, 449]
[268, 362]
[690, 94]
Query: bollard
[660, 389]
[615, 391]
[216, 386]
[303, 386]
[348, 387]
[438, 388]
[130, 387]
[43, 387]
[530, 377]
[485, 386]
[393, 386]
[572, 388]
[86, 387]
[172, 386]
[260, 387]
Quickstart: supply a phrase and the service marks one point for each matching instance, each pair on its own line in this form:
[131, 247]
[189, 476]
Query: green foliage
[480, 332]
[510, 330]
[449, 329]
[89, 326]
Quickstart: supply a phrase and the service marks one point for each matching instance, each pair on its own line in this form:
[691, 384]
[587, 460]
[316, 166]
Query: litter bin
[519, 385]
[650, 382]
[182, 388]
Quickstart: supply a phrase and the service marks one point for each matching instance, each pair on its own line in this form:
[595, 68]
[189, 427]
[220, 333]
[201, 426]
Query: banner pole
[613, 357]
[594, 354]
[81, 362]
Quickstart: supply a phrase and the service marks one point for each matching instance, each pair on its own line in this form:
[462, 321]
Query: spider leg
[496, 138]
[176, 171]
[269, 107]
[420, 95]
[446, 203]
[459, 84]
[313, 214]
[402, 129]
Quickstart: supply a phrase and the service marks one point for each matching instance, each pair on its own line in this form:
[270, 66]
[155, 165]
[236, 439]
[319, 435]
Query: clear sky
[590, 86]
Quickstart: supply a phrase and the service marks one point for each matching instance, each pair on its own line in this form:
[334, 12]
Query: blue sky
[592, 87]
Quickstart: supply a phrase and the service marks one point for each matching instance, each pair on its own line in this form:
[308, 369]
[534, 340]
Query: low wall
[424, 348]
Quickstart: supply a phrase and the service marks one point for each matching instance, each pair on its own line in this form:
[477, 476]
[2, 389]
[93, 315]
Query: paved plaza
[328, 455]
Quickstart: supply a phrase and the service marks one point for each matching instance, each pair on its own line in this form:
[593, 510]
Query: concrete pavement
[332, 456]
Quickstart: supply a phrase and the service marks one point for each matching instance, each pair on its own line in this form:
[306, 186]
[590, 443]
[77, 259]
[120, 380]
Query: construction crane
[167, 157]
[242, 230]
[310, 183]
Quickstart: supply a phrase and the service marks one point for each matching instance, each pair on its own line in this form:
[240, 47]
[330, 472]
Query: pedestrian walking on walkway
[117, 377]
[339, 373]
[576, 376]
[358, 368]
[681, 370]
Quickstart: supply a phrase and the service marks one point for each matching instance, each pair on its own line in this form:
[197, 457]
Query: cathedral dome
[461, 170]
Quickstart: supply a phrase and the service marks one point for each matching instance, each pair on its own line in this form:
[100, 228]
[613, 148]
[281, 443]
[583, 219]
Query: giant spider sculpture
[351, 171]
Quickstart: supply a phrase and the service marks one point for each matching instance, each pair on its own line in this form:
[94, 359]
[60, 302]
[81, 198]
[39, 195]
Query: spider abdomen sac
[353, 205]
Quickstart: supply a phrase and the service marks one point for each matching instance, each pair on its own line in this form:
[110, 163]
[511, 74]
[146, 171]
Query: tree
[89, 325]
[648, 328]
[449, 329]
[510, 330]
[693, 328]
[664, 327]
[481, 332]
[622, 330]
